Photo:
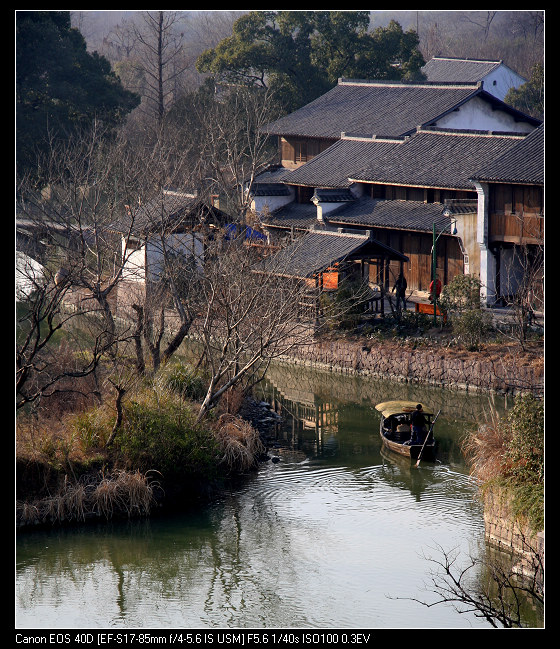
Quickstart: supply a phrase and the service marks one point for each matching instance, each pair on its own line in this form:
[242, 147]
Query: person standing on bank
[435, 290]
[400, 289]
[418, 425]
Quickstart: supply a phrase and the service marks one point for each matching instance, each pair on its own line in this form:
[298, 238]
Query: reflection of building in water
[302, 412]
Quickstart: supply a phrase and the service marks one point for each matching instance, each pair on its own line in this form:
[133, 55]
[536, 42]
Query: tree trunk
[118, 421]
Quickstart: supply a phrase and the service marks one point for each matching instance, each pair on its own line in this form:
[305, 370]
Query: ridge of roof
[464, 58]
[342, 81]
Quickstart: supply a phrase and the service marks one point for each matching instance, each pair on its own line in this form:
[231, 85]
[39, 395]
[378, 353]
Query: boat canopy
[388, 408]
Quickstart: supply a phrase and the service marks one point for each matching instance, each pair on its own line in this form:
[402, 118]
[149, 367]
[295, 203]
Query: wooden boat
[396, 430]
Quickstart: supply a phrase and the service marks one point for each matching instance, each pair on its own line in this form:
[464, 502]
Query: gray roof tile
[335, 165]
[378, 108]
[364, 213]
[173, 212]
[523, 163]
[318, 250]
[398, 215]
[454, 69]
[439, 159]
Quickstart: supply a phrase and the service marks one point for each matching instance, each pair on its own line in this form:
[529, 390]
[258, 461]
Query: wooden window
[304, 194]
[415, 194]
[300, 151]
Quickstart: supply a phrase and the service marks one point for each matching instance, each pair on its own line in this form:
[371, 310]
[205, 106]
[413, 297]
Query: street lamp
[446, 212]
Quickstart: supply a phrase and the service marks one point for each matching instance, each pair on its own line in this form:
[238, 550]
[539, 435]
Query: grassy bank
[508, 452]
[68, 470]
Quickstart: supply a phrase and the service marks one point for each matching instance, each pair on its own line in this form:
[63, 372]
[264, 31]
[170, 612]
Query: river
[336, 534]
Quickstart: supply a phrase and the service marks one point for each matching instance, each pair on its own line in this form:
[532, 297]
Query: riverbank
[431, 360]
[159, 462]
[94, 486]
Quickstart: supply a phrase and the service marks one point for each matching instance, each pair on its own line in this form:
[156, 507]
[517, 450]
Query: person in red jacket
[437, 289]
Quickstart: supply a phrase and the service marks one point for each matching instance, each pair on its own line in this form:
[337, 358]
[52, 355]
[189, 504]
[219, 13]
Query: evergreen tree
[529, 98]
[60, 87]
[301, 54]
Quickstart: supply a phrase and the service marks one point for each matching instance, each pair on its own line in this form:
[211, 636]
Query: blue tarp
[234, 230]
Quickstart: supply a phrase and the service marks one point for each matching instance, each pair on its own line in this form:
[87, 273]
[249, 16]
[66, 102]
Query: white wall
[499, 81]
[271, 203]
[185, 244]
[477, 114]
[151, 255]
[134, 263]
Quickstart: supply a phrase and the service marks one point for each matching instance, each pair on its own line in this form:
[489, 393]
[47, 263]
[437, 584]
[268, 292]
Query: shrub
[525, 450]
[509, 451]
[93, 427]
[461, 294]
[161, 433]
[461, 301]
[240, 442]
[471, 326]
[185, 381]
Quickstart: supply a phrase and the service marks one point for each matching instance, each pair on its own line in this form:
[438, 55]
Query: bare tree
[72, 215]
[120, 42]
[491, 589]
[522, 288]
[234, 148]
[160, 57]
[255, 312]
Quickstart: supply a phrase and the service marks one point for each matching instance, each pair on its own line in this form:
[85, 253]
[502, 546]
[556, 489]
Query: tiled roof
[364, 213]
[299, 216]
[335, 165]
[452, 69]
[439, 159]
[269, 189]
[273, 174]
[318, 250]
[397, 215]
[523, 163]
[375, 108]
[335, 195]
[173, 211]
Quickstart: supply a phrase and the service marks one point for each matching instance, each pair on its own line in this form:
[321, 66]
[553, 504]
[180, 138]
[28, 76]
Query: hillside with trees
[252, 46]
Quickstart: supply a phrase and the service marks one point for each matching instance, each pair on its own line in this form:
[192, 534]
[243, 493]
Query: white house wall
[151, 255]
[499, 81]
[271, 203]
[477, 114]
[186, 245]
[134, 268]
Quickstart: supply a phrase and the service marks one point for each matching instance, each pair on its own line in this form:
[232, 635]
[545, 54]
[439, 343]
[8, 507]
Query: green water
[335, 535]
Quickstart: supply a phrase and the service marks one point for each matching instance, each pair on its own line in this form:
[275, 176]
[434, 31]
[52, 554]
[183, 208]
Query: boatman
[418, 425]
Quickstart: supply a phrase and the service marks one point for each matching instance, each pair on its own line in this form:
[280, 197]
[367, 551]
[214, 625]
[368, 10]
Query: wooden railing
[516, 228]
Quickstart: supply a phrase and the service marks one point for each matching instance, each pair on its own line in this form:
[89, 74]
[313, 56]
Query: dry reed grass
[485, 448]
[122, 493]
[240, 442]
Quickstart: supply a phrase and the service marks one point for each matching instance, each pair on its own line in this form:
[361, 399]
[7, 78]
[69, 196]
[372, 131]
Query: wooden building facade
[356, 158]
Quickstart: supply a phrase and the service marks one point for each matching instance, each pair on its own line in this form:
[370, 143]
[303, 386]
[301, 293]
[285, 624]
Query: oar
[429, 433]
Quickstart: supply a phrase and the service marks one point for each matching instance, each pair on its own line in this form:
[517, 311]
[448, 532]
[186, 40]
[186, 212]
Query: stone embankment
[497, 369]
[508, 533]
[500, 369]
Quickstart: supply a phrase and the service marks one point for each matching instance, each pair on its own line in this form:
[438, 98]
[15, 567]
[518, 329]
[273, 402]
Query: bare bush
[240, 442]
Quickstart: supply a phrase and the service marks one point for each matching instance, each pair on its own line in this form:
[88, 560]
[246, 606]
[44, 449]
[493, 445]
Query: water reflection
[330, 537]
